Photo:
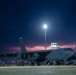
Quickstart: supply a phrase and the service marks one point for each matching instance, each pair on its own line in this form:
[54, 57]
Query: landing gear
[20, 62]
[33, 63]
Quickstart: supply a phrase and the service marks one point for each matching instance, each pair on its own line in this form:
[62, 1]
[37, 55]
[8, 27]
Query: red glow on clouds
[35, 48]
[68, 46]
[14, 48]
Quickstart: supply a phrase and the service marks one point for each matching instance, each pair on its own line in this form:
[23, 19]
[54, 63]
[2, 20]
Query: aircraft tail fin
[23, 49]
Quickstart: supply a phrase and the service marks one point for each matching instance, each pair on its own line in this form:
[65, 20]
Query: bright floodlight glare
[45, 26]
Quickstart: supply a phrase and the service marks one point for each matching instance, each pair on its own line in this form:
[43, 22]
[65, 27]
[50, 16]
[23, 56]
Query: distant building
[54, 45]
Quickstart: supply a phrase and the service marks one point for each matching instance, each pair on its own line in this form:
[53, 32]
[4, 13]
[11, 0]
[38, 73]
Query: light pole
[45, 27]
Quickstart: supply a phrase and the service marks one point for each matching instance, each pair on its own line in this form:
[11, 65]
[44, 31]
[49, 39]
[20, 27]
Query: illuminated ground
[38, 70]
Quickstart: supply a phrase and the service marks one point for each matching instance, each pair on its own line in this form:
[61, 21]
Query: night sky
[26, 17]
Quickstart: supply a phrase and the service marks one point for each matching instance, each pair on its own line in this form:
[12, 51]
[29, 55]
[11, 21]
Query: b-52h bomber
[60, 56]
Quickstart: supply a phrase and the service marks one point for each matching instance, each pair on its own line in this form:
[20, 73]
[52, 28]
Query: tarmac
[38, 70]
